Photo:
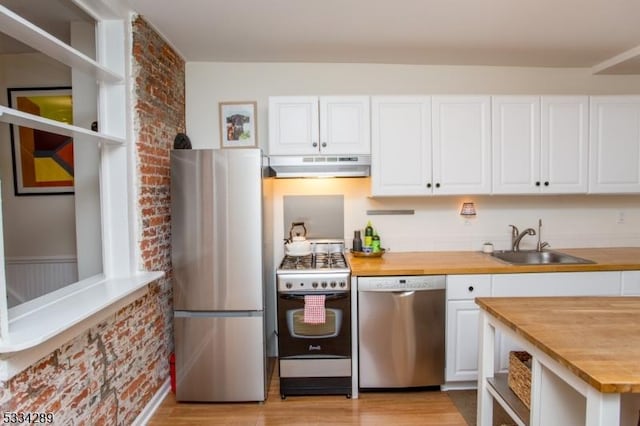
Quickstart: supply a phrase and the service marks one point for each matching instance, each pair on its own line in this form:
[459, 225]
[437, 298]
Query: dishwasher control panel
[402, 283]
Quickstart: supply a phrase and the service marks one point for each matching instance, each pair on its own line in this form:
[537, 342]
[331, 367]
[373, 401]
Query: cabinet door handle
[324, 144]
[429, 185]
[546, 184]
[470, 288]
[537, 183]
[437, 185]
[315, 144]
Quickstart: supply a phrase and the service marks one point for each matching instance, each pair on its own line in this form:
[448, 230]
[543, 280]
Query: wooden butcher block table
[588, 344]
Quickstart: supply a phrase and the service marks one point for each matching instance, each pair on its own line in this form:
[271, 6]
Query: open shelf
[26, 32]
[500, 383]
[12, 116]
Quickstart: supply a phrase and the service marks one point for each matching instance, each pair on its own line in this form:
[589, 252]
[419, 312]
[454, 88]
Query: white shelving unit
[24, 337]
[12, 116]
[19, 28]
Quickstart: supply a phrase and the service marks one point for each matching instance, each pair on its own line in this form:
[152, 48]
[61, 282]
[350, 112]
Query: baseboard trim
[148, 411]
[459, 386]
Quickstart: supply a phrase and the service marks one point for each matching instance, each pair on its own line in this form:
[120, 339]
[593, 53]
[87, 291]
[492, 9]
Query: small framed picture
[238, 124]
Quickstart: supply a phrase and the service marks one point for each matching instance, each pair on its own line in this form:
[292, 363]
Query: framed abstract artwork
[238, 124]
[42, 161]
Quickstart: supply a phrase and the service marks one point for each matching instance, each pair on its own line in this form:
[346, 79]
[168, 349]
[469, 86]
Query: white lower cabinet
[631, 283]
[462, 325]
[463, 313]
[462, 338]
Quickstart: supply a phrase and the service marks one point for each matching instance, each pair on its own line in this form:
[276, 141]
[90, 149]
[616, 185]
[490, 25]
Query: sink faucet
[516, 236]
[540, 244]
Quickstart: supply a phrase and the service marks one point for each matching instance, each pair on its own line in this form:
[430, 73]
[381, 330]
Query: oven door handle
[332, 296]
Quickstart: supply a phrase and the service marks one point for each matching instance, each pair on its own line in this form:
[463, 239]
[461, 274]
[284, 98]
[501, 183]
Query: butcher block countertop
[476, 262]
[596, 338]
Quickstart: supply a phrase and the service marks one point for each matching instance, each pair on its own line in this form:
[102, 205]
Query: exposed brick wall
[108, 374]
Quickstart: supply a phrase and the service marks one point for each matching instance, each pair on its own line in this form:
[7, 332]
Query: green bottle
[368, 235]
[375, 243]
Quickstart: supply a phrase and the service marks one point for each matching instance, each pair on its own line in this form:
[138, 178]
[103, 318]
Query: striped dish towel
[314, 309]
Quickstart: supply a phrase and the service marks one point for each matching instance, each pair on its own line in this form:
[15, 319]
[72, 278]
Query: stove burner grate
[317, 260]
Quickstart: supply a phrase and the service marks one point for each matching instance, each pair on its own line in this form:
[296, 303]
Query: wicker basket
[520, 375]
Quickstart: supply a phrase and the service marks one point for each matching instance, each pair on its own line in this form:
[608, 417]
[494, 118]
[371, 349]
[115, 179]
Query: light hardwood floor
[372, 408]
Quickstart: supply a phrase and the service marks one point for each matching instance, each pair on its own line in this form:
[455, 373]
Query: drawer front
[601, 283]
[468, 286]
[631, 283]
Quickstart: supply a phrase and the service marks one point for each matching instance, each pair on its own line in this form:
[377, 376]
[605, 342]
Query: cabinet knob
[324, 144]
[429, 185]
[315, 144]
[537, 183]
[437, 185]
[471, 288]
[546, 184]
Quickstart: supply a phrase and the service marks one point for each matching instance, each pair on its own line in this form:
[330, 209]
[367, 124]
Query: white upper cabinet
[293, 125]
[461, 138]
[310, 125]
[425, 145]
[516, 144]
[345, 125]
[614, 164]
[564, 144]
[401, 145]
[540, 144]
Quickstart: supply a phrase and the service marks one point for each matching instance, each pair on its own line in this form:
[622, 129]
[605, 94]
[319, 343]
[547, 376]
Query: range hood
[311, 166]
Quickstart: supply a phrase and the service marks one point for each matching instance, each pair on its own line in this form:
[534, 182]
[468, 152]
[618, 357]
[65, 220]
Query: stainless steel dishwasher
[401, 331]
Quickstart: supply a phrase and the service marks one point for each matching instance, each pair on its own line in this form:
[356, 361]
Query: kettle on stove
[297, 245]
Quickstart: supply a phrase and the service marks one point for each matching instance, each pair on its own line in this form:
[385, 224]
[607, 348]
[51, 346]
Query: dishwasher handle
[400, 284]
[405, 293]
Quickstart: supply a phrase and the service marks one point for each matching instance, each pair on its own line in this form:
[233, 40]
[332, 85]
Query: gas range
[324, 270]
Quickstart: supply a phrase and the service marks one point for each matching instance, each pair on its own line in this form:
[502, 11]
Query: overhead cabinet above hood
[286, 166]
[319, 136]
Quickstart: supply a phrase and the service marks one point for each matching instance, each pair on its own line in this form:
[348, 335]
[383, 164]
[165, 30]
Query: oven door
[299, 339]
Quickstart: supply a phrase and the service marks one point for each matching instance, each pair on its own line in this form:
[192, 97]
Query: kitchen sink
[533, 257]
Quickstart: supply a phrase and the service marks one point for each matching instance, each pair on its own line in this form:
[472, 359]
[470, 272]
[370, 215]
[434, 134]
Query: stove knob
[343, 284]
[333, 284]
[314, 285]
[324, 284]
[288, 285]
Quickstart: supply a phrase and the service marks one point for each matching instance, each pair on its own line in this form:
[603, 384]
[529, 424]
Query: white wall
[34, 226]
[569, 221]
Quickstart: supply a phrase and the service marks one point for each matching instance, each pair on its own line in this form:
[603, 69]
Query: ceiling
[603, 35]
[538, 33]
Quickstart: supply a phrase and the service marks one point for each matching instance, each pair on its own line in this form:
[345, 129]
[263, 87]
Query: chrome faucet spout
[515, 245]
[514, 234]
[540, 244]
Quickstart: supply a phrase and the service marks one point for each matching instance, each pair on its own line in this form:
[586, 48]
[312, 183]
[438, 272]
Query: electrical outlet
[621, 218]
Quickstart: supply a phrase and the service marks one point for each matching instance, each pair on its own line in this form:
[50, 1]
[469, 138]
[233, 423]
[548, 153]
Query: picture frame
[238, 124]
[43, 162]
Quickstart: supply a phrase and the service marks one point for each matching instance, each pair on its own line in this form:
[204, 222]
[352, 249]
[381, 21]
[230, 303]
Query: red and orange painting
[42, 161]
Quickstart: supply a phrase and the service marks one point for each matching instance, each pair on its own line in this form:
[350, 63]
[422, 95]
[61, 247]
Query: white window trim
[32, 330]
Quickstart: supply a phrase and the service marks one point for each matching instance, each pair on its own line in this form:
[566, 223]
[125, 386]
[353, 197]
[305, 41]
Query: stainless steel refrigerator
[217, 234]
